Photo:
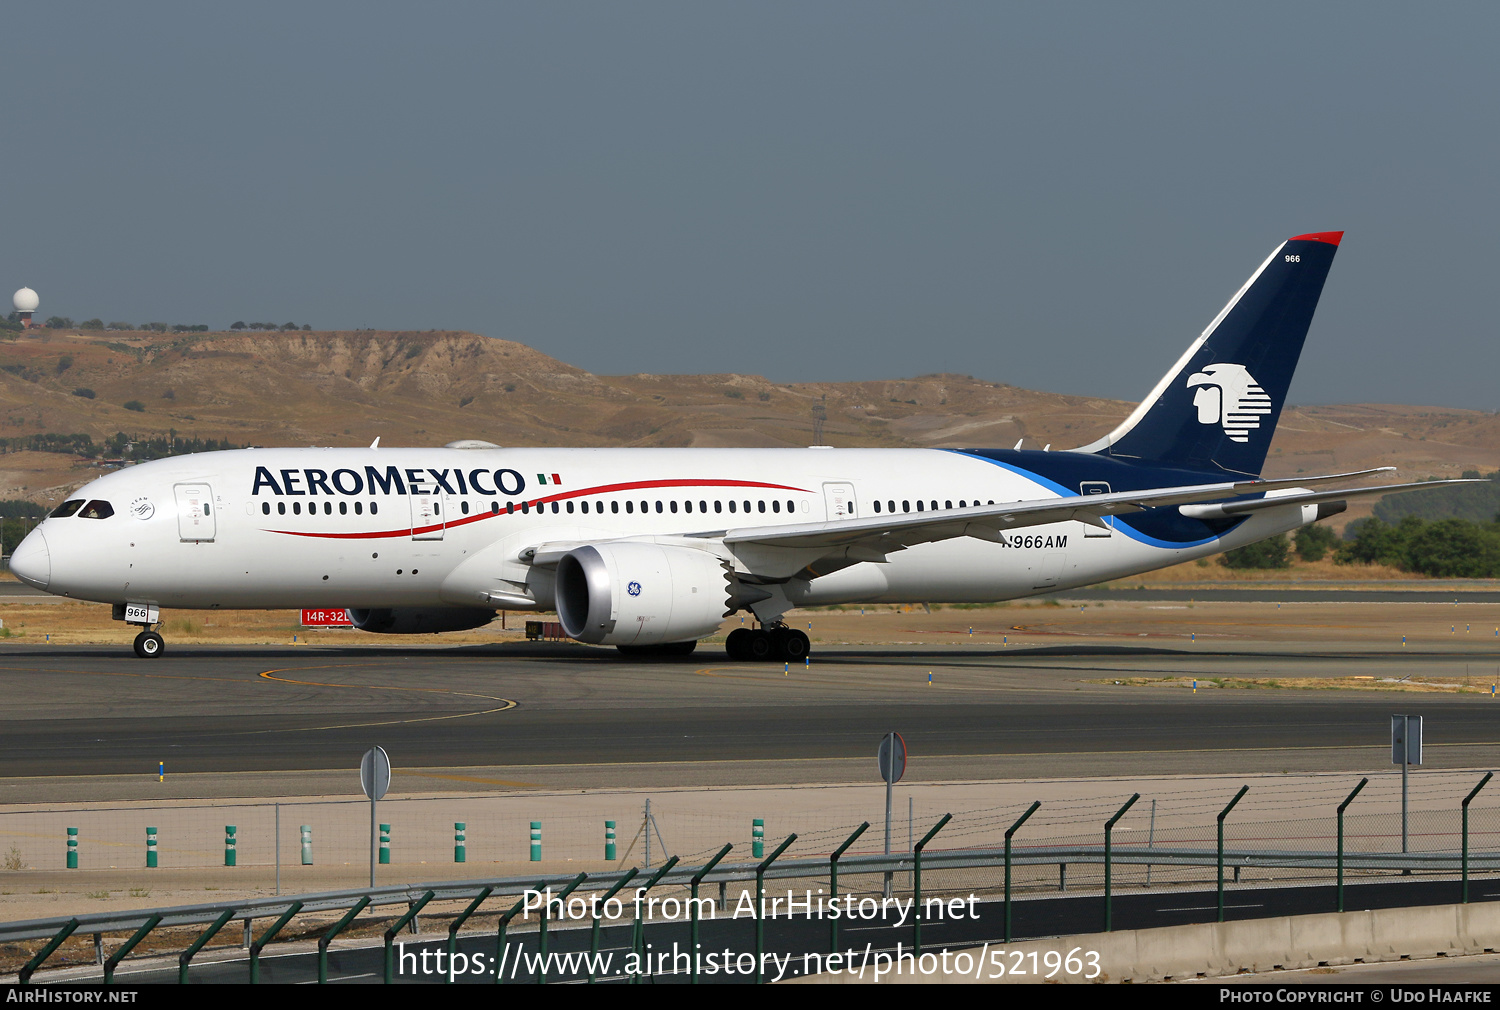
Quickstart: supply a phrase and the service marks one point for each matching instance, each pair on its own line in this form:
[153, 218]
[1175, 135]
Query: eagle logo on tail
[1229, 396]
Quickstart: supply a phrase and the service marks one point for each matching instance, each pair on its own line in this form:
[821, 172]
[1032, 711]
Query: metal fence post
[1342, 807]
[453, 927]
[1009, 832]
[916, 885]
[833, 885]
[126, 947]
[501, 954]
[1472, 793]
[267, 937]
[327, 938]
[1109, 826]
[1223, 814]
[396, 927]
[760, 907]
[638, 930]
[562, 896]
[186, 957]
[698, 879]
[594, 941]
[24, 978]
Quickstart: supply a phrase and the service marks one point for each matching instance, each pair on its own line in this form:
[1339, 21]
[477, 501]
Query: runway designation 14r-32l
[649, 549]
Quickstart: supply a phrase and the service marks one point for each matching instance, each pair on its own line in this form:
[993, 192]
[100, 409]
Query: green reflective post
[833, 885]
[536, 841]
[1342, 807]
[758, 838]
[609, 841]
[72, 848]
[638, 933]
[267, 937]
[150, 848]
[126, 947]
[1109, 826]
[385, 845]
[594, 941]
[916, 885]
[760, 907]
[547, 917]
[698, 879]
[460, 842]
[186, 957]
[453, 927]
[1472, 793]
[231, 856]
[1009, 832]
[327, 938]
[24, 978]
[397, 927]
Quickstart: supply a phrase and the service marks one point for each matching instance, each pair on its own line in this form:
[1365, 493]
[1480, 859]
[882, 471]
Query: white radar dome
[25, 300]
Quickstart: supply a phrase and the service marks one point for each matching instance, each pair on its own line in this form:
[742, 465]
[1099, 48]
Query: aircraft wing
[1224, 510]
[872, 537]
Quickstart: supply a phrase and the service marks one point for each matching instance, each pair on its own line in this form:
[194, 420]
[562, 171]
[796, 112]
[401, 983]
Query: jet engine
[640, 594]
[420, 620]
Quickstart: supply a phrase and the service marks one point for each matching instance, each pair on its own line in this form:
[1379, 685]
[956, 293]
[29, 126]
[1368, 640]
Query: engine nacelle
[640, 594]
[420, 620]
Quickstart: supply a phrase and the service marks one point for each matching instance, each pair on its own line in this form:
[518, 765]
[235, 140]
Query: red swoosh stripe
[603, 489]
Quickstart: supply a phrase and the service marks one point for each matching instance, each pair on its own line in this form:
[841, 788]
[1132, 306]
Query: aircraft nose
[31, 562]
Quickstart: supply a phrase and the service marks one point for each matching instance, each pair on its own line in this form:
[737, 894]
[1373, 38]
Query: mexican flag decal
[541, 478]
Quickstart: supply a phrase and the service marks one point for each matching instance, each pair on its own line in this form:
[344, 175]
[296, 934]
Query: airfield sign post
[1406, 750]
[892, 759]
[374, 779]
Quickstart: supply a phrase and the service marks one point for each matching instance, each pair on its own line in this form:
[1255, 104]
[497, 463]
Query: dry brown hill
[347, 387]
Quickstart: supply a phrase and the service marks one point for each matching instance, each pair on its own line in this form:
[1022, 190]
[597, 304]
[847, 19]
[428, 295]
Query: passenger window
[570, 507]
[630, 508]
[791, 506]
[877, 505]
[687, 506]
[658, 506]
[702, 506]
[97, 510]
[526, 508]
[674, 506]
[296, 508]
[961, 504]
[374, 507]
[890, 506]
[934, 506]
[775, 506]
[947, 504]
[359, 508]
[464, 507]
[919, 505]
[851, 508]
[761, 506]
[554, 508]
[718, 506]
[281, 508]
[747, 507]
[265, 508]
[437, 508]
[66, 509]
[731, 505]
[906, 506]
[343, 508]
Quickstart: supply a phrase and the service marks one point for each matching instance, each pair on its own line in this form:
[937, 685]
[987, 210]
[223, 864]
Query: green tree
[1455, 549]
[135, 405]
[1269, 553]
[91, 324]
[1314, 542]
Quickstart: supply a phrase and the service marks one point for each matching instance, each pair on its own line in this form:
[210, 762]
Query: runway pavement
[96, 711]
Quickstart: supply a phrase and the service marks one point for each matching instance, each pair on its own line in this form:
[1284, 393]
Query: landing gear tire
[791, 644]
[149, 645]
[737, 645]
[759, 647]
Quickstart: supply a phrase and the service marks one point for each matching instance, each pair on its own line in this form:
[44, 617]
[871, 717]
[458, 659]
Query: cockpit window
[67, 508]
[97, 510]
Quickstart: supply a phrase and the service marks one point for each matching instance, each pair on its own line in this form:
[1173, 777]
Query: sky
[1059, 196]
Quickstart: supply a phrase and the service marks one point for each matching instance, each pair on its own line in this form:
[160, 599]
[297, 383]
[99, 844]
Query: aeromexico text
[391, 480]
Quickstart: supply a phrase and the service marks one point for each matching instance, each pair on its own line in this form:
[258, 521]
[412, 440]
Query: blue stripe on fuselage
[1065, 472]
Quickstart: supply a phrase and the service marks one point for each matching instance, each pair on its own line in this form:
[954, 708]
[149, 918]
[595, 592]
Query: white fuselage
[393, 527]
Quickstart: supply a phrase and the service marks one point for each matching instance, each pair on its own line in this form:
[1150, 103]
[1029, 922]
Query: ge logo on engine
[634, 589]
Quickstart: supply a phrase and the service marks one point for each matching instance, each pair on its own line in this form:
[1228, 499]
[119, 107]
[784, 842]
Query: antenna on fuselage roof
[375, 444]
[1018, 443]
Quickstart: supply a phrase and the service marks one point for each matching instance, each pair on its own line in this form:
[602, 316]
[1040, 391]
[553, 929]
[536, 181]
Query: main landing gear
[776, 644]
[149, 645]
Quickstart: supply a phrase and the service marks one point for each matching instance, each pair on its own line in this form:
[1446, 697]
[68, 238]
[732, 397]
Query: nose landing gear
[149, 645]
[774, 644]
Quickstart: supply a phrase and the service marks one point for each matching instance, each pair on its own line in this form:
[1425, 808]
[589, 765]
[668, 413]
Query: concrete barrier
[1210, 949]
